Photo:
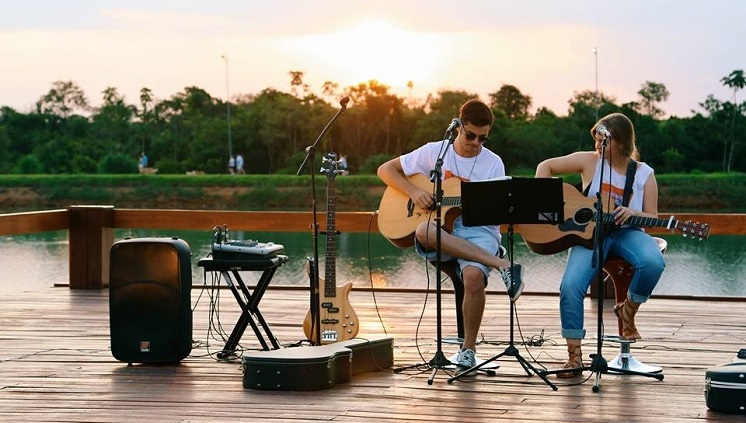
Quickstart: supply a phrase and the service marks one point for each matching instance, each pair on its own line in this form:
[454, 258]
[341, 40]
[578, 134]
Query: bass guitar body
[336, 319]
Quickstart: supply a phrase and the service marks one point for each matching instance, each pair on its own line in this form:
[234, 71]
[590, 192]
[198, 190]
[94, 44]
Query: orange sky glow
[545, 49]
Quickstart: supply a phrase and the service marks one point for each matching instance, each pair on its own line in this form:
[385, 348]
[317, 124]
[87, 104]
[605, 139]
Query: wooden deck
[56, 365]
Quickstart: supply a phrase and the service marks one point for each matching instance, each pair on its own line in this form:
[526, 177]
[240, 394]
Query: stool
[620, 273]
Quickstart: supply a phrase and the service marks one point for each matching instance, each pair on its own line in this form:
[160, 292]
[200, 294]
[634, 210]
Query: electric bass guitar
[579, 224]
[331, 318]
[398, 216]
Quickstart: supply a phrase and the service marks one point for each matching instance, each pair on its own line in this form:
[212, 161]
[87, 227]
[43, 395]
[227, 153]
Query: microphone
[601, 130]
[451, 131]
[344, 102]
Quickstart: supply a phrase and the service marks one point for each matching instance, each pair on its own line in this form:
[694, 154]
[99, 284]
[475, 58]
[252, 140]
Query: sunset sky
[545, 48]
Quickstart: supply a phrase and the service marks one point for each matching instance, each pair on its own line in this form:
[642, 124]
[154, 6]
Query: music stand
[512, 200]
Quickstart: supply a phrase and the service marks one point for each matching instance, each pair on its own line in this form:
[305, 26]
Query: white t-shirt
[486, 165]
[614, 182]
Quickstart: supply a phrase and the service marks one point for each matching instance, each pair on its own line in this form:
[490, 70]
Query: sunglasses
[471, 136]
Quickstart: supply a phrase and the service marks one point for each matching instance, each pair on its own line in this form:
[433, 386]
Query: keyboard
[250, 247]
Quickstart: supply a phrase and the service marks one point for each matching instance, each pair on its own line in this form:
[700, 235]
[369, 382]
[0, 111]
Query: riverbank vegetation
[714, 192]
[192, 131]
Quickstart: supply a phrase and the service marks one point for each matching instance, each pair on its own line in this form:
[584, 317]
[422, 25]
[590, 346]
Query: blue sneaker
[514, 282]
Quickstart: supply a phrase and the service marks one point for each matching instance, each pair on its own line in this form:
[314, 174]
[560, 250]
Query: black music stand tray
[512, 200]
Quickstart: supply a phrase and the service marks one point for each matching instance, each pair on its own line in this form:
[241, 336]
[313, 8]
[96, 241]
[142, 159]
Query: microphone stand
[439, 361]
[314, 268]
[598, 363]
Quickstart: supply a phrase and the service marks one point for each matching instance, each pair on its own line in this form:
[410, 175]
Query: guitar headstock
[330, 165]
[694, 230]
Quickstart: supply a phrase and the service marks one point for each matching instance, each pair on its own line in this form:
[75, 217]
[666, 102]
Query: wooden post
[91, 237]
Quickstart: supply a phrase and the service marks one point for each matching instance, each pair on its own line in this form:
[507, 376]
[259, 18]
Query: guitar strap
[630, 178]
[631, 169]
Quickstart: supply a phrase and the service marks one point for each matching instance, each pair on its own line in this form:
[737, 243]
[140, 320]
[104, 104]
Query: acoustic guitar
[579, 224]
[398, 216]
[333, 314]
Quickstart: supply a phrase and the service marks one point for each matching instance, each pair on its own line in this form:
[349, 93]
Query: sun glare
[372, 50]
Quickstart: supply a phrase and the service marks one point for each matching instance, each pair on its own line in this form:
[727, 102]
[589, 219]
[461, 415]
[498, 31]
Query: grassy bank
[678, 193]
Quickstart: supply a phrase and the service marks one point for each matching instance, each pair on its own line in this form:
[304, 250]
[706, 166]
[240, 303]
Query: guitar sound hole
[583, 216]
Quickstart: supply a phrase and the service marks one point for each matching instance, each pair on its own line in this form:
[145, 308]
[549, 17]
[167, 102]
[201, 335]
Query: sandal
[625, 312]
[574, 361]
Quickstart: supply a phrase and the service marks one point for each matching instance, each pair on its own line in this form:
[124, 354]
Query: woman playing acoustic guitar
[628, 242]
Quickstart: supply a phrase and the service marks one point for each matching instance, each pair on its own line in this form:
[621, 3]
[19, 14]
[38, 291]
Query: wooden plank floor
[56, 365]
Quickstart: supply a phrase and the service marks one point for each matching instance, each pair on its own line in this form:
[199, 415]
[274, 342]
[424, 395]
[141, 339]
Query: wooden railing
[91, 229]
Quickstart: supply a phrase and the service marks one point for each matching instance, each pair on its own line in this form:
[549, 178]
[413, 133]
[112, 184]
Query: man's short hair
[477, 113]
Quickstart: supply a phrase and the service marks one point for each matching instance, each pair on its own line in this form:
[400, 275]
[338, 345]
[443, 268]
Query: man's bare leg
[473, 307]
[457, 247]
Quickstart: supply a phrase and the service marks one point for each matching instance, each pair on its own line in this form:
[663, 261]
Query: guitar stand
[509, 201]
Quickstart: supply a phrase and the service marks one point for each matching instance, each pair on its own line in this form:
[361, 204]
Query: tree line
[194, 131]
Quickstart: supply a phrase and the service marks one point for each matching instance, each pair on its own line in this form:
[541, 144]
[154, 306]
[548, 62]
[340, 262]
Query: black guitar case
[725, 388]
[297, 369]
[315, 367]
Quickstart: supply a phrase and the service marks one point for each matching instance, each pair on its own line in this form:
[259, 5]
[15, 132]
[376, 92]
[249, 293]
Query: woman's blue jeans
[634, 246]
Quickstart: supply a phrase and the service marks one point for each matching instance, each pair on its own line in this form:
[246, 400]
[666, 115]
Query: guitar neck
[330, 276]
[649, 222]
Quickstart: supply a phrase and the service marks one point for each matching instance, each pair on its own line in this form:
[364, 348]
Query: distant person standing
[239, 165]
[343, 165]
[232, 165]
[143, 163]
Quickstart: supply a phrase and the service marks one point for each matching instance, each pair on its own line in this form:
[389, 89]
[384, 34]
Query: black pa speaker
[150, 311]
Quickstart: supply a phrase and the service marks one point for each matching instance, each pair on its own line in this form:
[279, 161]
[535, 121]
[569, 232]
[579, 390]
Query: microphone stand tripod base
[439, 361]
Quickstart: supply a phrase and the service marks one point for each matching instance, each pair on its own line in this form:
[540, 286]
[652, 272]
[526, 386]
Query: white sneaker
[513, 282]
[466, 358]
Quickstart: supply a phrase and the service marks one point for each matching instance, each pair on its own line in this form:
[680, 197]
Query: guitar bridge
[329, 336]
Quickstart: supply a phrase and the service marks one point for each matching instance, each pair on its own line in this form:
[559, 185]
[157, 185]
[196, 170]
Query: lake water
[715, 266]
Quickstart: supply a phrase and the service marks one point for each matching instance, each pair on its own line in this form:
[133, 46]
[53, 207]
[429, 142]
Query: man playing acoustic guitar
[474, 248]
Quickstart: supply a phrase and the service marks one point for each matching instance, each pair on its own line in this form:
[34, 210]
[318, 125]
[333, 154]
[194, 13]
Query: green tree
[651, 94]
[5, 158]
[512, 102]
[377, 122]
[29, 165]
[64, 98]
[117, 164]
[583, 105]
[438, 112]
[145, 115]
[112, 124]
[297, 87]
[736, 81]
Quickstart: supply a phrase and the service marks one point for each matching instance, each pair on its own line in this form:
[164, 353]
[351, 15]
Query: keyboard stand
[248, 301]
